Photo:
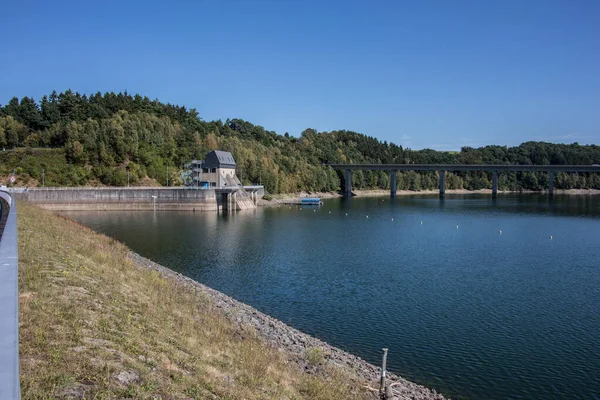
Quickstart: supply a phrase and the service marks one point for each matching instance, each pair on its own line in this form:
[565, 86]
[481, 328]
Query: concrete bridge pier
[442, 183]
[348, 183]
[494, 183]
[550, 183]
[393, 184]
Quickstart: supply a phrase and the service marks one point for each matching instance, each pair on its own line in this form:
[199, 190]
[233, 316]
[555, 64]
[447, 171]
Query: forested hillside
[69, 139]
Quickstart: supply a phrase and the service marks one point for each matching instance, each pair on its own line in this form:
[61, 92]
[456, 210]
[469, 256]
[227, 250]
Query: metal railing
[9, 302]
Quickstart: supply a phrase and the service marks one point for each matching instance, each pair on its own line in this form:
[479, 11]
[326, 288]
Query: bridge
[495, 169]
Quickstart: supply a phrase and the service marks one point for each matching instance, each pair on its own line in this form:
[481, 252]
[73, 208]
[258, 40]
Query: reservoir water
[475, 297]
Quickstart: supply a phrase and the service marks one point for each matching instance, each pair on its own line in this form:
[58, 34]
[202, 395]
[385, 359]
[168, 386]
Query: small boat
[311, 201]
[304, 201]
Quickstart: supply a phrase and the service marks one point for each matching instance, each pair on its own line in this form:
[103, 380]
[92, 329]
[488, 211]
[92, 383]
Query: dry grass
[89, 316]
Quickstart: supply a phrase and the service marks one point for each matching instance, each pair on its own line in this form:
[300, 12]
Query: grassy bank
[94, 324]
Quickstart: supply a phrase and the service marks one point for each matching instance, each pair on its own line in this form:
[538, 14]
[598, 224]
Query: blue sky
[437, 74]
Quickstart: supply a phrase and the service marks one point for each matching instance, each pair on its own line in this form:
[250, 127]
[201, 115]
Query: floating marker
[421, 222]
[367, 216]
[550, 237]
[346, 213]
[500, 231]
[329, 212]
[456, 226]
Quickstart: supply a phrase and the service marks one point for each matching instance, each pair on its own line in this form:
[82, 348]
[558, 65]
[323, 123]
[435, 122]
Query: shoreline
[399, 193]
[288, 339]
[93, 322]
[181, 199]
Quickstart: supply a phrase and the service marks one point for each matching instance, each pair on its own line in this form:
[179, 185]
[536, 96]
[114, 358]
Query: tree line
[118, 139]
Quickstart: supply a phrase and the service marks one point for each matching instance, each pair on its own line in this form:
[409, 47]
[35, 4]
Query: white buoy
[367, 216]
[392, 219]
[456, 226]
[421, 222]
[329, 212]
[346, 213]
[550, 237]
[500, 231]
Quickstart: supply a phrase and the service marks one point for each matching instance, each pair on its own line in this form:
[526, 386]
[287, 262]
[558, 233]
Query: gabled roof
[219, 159]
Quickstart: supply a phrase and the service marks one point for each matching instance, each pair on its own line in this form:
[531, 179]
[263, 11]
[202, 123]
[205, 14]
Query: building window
[205, 170]
[213, 170]
[213, 184]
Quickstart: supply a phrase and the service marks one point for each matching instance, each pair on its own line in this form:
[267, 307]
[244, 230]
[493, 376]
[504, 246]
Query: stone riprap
[295, 343]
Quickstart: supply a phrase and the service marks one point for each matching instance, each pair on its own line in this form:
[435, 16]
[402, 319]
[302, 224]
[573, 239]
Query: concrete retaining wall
[66, 199]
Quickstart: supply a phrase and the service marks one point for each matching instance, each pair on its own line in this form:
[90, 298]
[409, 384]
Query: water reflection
[469, 311]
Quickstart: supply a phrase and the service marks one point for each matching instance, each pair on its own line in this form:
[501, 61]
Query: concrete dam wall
[128, 198]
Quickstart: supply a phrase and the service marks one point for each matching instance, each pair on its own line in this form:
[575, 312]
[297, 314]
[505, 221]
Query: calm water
[470, 311]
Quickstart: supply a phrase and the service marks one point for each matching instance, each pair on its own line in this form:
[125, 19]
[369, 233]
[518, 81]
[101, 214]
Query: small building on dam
[209, 184]
[217, 170]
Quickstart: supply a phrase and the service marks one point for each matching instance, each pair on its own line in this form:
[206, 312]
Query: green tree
[12, 130]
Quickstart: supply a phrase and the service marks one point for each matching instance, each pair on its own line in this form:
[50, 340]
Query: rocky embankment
[297, 344]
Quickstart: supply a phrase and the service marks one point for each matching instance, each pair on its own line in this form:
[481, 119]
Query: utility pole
[43, 180]
[167, 175]
[127, 177]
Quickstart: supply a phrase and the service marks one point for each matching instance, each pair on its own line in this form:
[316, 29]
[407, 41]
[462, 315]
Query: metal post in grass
[382, 391]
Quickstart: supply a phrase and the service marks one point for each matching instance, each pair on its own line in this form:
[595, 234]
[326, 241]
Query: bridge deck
[468, 167]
